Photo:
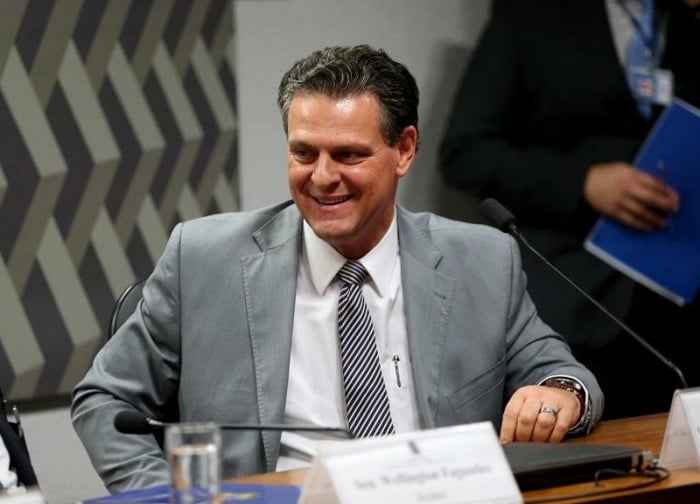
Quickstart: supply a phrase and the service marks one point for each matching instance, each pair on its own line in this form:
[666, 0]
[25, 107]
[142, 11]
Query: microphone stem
[512, 228]
[266, 427]
[283, 427]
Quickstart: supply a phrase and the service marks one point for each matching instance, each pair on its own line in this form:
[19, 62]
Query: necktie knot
[353, 273]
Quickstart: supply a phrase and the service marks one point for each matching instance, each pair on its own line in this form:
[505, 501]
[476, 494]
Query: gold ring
[549, 410]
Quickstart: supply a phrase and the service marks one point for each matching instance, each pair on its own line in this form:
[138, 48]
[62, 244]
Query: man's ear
[407, 149]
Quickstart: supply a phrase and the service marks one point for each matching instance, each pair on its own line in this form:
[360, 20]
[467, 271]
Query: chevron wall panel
[117, 120]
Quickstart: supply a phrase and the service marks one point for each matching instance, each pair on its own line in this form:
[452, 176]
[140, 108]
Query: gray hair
[339, 72]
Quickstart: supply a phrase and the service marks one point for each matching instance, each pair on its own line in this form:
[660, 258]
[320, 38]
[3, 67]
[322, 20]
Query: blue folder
[242, 493]
[667, 260]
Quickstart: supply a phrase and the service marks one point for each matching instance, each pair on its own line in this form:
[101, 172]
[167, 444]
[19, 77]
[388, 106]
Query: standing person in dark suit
[548, 120]
[15, 466]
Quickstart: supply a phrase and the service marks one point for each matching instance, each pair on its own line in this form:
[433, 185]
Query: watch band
[583, 426]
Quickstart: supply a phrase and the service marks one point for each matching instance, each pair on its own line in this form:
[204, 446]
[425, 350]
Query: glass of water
[193, 452]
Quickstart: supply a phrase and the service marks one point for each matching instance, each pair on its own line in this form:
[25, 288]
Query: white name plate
[681, 447]
[458, 465]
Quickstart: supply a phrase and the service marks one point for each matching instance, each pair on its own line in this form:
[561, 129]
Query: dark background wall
[117, 119]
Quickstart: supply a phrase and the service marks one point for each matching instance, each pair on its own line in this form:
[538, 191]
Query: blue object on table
[233, 493]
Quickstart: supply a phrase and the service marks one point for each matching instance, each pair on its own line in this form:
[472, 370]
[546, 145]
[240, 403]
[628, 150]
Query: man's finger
[547, 419]
[510, 418]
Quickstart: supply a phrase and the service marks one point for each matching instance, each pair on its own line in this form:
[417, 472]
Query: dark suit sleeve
[17, 449]
[488, 148]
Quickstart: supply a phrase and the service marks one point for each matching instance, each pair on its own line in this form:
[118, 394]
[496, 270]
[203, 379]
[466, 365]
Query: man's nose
[326, 171]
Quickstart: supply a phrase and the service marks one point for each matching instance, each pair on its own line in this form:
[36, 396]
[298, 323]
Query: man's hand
[637, 199]
[529, 415]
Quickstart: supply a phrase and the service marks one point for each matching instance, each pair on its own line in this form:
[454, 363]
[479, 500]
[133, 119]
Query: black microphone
[137, 422]
[500, 217]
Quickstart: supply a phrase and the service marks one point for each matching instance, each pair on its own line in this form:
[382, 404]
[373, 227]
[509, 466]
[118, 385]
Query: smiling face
[342, 175]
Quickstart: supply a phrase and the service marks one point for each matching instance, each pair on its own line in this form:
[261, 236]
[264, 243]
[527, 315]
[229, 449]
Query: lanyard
[650, 40]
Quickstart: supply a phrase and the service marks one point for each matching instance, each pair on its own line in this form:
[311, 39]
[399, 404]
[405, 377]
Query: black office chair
[125, 305]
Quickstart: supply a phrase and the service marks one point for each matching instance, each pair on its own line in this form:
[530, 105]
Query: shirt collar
[324, 262]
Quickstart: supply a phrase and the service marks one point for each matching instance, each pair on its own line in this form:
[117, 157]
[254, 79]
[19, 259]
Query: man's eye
[349, 156]
[303, 155]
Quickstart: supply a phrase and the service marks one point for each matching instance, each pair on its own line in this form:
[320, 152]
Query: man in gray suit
[238, 322]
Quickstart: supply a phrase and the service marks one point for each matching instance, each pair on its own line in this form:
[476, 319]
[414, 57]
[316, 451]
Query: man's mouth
[327, 201]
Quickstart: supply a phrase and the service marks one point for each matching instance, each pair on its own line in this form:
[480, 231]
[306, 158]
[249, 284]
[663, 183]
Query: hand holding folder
[666, 260]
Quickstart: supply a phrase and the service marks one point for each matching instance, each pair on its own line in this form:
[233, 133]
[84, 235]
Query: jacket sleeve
[534, 350]
[137, 369]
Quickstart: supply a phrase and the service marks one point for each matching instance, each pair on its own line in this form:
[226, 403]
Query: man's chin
[330, 232]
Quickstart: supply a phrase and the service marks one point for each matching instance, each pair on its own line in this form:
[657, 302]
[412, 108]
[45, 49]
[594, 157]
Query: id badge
[663, 80]
[652, 86]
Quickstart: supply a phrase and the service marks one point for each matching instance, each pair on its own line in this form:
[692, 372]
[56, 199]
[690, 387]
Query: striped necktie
[366, 400]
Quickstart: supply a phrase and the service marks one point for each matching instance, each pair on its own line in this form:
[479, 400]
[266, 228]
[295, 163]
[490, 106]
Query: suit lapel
[427, 303]
[269, 282]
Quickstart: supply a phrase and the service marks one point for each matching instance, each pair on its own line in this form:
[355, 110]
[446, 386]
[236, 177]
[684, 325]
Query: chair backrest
[125, 305]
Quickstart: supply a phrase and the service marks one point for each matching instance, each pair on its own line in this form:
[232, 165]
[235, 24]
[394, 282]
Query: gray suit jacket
[211, 338]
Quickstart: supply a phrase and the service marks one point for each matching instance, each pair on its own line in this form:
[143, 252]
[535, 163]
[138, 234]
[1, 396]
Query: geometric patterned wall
[117, 120]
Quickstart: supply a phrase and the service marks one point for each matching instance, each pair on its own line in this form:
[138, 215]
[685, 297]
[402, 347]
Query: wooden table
[645, 432]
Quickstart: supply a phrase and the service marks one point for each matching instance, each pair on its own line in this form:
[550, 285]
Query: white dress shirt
[315, 389]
